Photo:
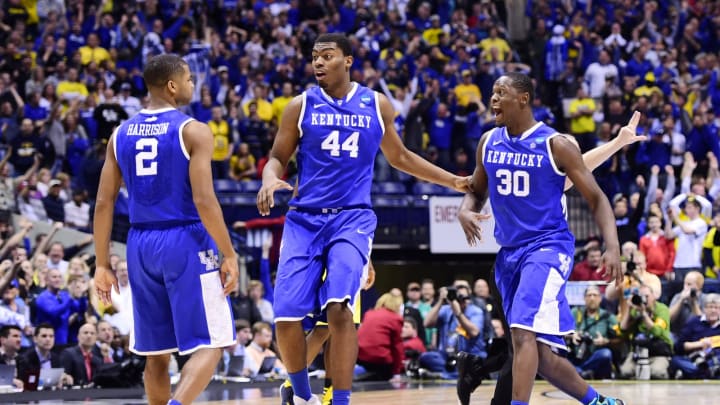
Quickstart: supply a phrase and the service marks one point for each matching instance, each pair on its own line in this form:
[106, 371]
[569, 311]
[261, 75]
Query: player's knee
[157, 365]
[522, 338]
[338, 313]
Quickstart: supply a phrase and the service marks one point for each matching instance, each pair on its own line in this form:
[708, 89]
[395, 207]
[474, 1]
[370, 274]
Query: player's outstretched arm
[110, 180]
[596, 156]
[403, 159]
[286, 142]
[198, 140]
[469, 215]
[567, 157]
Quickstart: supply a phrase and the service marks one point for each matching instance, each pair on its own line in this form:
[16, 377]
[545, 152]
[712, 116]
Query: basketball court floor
[410, 393]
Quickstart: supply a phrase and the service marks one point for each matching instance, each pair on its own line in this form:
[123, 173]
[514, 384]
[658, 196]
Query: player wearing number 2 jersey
[337, 130]
[179, 297]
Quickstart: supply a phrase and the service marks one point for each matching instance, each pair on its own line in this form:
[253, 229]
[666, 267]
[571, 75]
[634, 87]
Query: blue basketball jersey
[338, 143]
[525, 187]
[154, 164]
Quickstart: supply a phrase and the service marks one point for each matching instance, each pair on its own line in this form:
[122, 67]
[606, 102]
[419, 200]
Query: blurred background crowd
[70, 71]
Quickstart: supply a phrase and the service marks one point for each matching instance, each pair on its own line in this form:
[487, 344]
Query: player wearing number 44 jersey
[179, 297]
[337, 129]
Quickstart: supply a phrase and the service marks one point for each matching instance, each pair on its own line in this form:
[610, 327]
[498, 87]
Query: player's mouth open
[497, 111]
[319, 75]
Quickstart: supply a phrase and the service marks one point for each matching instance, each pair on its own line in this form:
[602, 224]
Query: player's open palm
[470, 222]
[105, 280]
[628, 134]
[229, 274]
[613, 270]
[266, 195]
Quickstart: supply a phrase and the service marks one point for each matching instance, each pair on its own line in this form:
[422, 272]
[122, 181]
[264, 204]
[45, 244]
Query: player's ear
[348, 62]
[172, 86]
[525, 98]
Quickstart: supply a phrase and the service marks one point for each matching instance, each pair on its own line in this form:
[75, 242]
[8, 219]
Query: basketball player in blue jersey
[522, 168]
[179, 297]
[337, 129]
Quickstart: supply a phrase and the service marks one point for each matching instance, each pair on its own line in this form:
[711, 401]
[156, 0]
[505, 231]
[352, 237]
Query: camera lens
[636, 299]
[693, 293]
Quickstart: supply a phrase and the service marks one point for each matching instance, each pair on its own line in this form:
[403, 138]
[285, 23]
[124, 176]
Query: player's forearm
[411, 163]
[605, 219]
[102, 226]
[212, 218]
[273, 169]
[473, 202]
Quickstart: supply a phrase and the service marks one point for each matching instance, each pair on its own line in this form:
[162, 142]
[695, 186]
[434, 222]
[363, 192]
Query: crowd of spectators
[70, 72]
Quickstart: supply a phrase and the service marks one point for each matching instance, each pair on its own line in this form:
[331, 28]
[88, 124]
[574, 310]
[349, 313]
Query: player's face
[329, 63]
[505, 101]
[185, 85]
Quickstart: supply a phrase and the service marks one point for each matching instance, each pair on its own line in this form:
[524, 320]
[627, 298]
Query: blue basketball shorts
[531, 280]
[312, 243]
[178, 299]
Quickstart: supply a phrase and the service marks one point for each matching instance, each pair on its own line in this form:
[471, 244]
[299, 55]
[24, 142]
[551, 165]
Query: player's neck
[522, 125]
[159, 103]
[340, 91]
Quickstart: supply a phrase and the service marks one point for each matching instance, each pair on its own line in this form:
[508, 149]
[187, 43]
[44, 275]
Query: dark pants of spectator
[599, 362]
[375, 372]
[220, 169]
[436, 362]
[586, 140]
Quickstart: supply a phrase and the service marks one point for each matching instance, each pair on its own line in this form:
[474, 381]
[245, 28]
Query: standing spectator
[54, 206]
[122, 318]
[222, 142]
[256, 292]
[380, 344]
[127, 101]
[264, 108]
[481, 295]
[279, 103]
[440, 130]
[77, 211]
[690, 234]
[72, 89]
[56, 258]
[597, 73]
[582, 123]
[79, 361]
[80, 309]
[53, 306]
[108, 115]
[26, 146]
[658, 249]
[93, 52]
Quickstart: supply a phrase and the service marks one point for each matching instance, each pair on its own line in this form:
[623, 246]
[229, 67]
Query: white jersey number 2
[145, 164]
[516, 183]
[332, 143]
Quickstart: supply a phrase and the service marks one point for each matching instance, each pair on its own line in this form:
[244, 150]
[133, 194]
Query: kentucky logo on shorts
[564, 263]
[209, 259]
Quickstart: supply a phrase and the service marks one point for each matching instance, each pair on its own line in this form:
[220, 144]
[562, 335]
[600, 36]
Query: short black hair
[341, 40]
[43, 325]
[5, 330]
[522, 83]
[162, 68]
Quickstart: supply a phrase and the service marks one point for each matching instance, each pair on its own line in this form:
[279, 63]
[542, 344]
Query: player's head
[168, 76]
[332, 59]
[512, 95]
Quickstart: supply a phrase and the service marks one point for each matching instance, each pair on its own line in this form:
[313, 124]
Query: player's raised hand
[628, 134]
[105, 280]
[266, 195]
[470, 222]
[229, 274]
[611, 261]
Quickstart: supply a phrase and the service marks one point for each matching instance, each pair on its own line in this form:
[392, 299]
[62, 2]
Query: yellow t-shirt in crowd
[466, 92]
[278, 106]
[264, 109]
[583, 123]
[499, 43]
[97, 55]
[221, 139]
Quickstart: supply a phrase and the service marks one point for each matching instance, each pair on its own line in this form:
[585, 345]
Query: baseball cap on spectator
[466, 72]
[619, 196]
[434, 17]
[54, 182]
[222, 68]
[558, 30]
[413, 286]
[126, 86]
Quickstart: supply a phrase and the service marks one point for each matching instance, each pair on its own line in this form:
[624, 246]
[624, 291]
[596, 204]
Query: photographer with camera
[595, 330]
[698, 343]
[687, 303]
[636, 275]
[645, 326]
[460, 328]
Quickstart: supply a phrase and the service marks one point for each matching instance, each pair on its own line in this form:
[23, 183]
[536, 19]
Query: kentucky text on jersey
[515, 159]
[345, 120]
[148, 129]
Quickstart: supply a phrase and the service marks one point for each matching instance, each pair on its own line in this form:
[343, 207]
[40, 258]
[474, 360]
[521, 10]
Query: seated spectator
[380, 345]
[256, 292]
[410, 339]
[79, 361]
[54, 206]
[658, 249]
[244, 336]
[53, 306]
[10, 339]
[77, 211]
[259, 349]
[122, 318]
[103, 344]
[589, 269]
[688, 303]
[242, 164]
[594, 330]
[42, 356]
[645, 327]
[697, 347]
[459, 328]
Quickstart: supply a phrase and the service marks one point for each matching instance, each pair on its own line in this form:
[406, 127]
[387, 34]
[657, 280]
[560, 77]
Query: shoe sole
[461, 362]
